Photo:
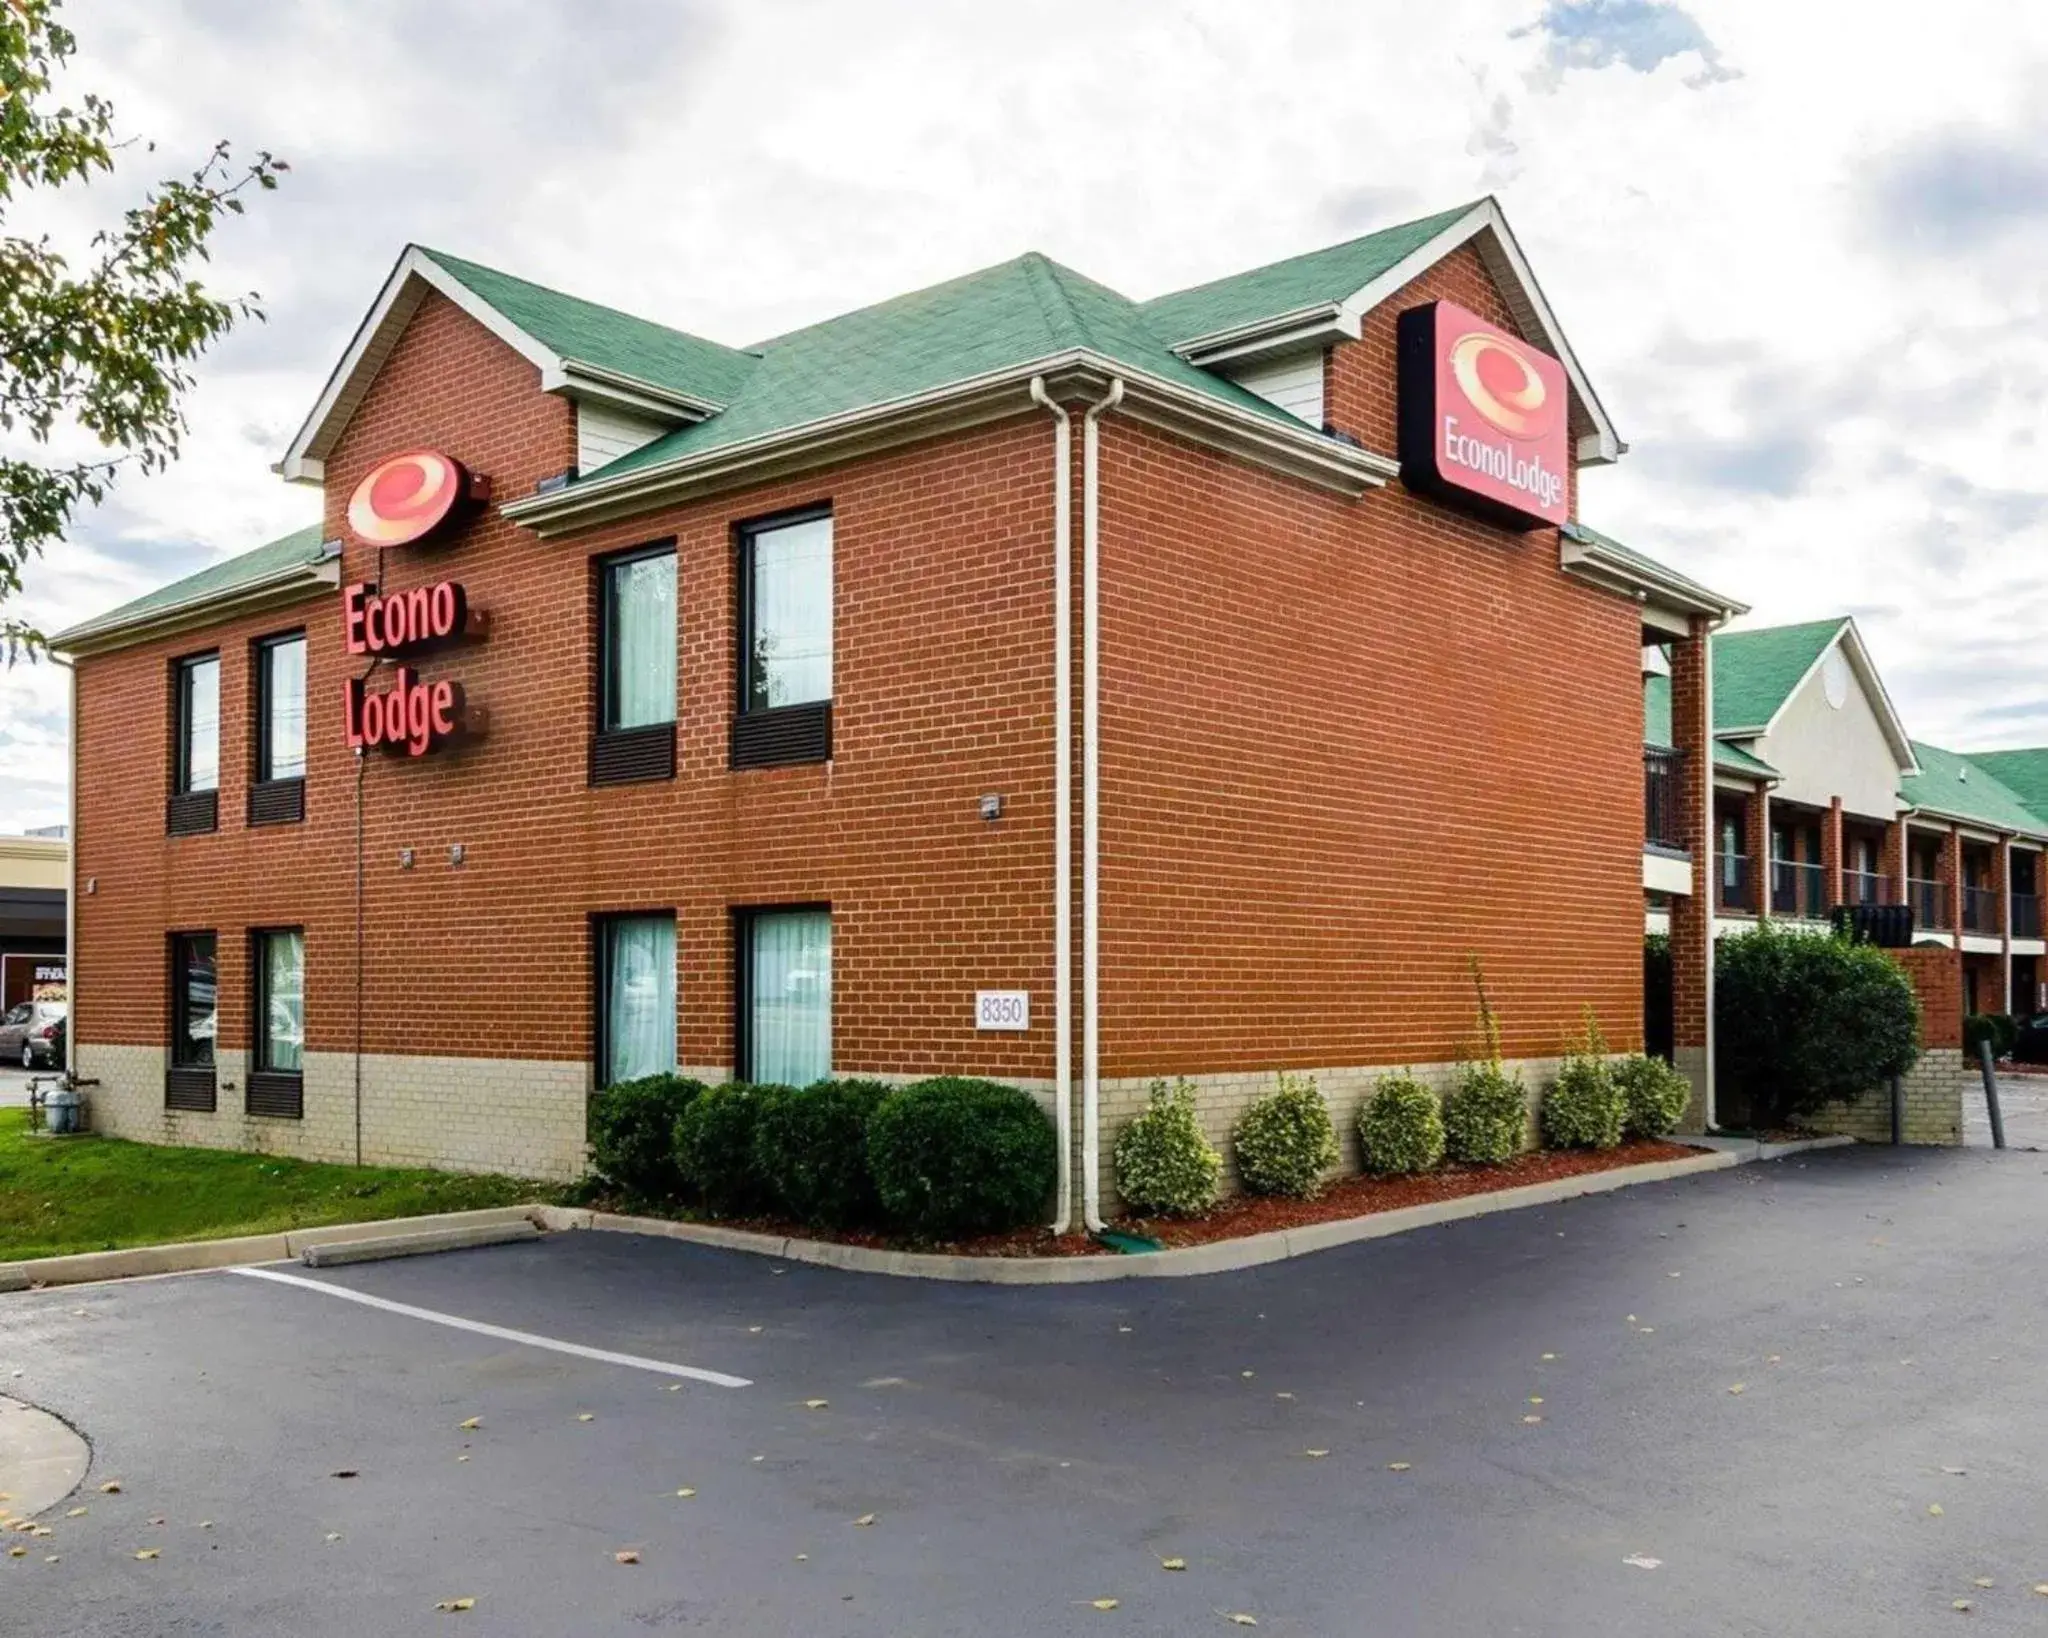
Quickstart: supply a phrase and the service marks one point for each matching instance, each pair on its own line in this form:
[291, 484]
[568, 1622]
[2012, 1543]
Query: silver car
[32, 1034]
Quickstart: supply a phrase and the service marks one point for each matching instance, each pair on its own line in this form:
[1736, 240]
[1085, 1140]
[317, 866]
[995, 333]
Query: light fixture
[992, 806]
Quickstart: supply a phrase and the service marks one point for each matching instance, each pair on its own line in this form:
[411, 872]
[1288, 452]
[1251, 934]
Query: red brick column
[1952, 880]
[2002, 886]
[1759, 845]
[1894, 862]
[1831, 852]
[1692, 916]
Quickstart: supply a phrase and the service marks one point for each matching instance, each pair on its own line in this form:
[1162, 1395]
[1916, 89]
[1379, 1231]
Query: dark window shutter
[625, 756]
[277, 1093]
[191, 813]
[786, 734]
[277, 802]
[189, 1089]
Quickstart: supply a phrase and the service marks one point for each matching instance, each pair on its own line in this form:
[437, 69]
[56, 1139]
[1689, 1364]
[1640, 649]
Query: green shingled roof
[273, 560]
[1756, 671]
[1576, 530]
[1001, 317]
[1657, 731]
[1319, 277]
[2024, 773]
[607, 338]
[1960, 787]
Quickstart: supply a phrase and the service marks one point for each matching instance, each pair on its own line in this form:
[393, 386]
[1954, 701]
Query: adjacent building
[1011, 678]
[35, 871]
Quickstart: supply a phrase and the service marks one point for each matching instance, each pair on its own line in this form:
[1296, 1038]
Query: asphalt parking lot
[1561, 1385]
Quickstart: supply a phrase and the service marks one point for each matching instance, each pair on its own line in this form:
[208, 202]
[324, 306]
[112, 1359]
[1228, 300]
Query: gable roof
[1321, 278]
[1326, 293]
[1019, 311]
[1961, 787]
[584, 332]
[2023, 772]
[1756, 671]
[283, 570]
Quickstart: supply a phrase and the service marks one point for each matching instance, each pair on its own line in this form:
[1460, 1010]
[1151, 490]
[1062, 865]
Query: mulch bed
[1239, 1215]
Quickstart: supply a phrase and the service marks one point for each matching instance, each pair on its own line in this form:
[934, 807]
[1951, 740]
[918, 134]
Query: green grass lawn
[95, 1193]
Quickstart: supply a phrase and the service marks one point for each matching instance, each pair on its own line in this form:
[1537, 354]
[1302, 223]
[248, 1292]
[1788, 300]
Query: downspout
[1062, 796]
[1091, 826]
[71, 891]
[1710, 880]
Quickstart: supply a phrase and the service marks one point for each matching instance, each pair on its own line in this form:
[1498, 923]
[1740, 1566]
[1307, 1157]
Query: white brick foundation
[524, 1116]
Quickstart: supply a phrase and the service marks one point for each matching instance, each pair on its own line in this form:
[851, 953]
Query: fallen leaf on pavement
[1315, 1453]
[1102, 1603]
[1173, 1564]
[455, 1606]
[471, 1425]
[2041, 1587]
[1643, 1561]
[816, 1404]
[111, 1488]
[1283, 1396]
[156, 1521]
[675, 1387]
[865, 1518]
[17, 1552]
[149, 1552]
[1548, 1357]
[1535, 1399]
[1963, 1605]
[1247, 1375]
[1243, 1620]
[78, 1512]
[686, 1491]
[334, 1535]
[585, 1416]
[206, 1524]
[1955, 1472]
[1934, 1510]
[1398, 1467]
[1983, 1581]
[344, 1473]
[1531, 1421]
[625, 1555]
[1737, 1387]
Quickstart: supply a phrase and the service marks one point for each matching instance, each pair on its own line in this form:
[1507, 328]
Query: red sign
[412, 717]
[1485, 418]
[409, 497]
[372, 623]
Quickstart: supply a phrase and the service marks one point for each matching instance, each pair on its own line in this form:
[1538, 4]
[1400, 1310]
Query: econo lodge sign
[404, 501]
[1484, 417]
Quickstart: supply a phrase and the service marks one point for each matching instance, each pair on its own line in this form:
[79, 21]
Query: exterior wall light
[992, 806]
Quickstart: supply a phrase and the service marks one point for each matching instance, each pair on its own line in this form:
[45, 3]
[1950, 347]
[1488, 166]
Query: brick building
[1009, 679]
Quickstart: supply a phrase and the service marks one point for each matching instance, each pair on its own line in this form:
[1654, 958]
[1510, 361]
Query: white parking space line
[455, 1322]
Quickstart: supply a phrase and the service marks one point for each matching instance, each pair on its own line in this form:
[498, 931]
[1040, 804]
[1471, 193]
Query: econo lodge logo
[408, 497]
[1502, 385]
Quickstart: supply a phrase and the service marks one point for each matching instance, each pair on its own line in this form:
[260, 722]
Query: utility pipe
[1063, 796]
[1091, 800]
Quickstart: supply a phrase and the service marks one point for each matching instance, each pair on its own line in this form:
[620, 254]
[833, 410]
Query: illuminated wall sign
[410, 497]
[412, 716]
[1484, 418]
[372, 623]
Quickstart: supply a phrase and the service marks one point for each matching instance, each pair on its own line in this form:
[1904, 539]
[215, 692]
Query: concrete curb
[1748, 1148]
[86, 1267]
[1220, 1257]
[335, 1253]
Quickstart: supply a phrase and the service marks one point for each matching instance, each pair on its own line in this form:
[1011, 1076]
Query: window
[278, 793]
[636, 711]
[785, 641]
[277, 967]
[784, 964]
[195, 753]
[195, 1014]
[636, 997]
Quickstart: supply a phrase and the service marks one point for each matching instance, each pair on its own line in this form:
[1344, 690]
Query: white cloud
[1799, 259]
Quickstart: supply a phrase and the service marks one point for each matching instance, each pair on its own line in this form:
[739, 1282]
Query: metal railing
[1865, 887]
[2026, 915]
[1660, 796]
[1980, 910]
[1799, 889]
[1733, 883]
[1929, 901]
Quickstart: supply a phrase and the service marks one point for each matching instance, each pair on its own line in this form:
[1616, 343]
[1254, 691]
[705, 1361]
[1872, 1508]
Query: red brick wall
[942, 672]
[1349, 745]
[1937, 975]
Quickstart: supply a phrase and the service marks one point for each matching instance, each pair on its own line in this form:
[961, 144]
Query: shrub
[1805, 1019]
[1401, 1127]
[811, 1150]
[1999, 1028]
[1163, 1162]
[633, 1134]
[953, 1157]
[1486, 1117]
[1285, 1141]
[1583, 1108]
[715, 1148]
[1653, 1095]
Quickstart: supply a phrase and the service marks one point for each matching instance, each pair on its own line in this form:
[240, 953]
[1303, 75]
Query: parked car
[32, 1035]
[2030, 1046]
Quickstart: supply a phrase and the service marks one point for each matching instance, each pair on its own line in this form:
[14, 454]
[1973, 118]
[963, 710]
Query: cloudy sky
[1799, 256]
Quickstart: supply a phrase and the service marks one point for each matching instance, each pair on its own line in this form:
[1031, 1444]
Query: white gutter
[1063, 796]
[1091, 817]
[1710, 886]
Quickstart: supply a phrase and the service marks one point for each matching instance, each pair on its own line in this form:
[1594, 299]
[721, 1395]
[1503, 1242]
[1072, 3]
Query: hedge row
[939, 1159]
[1286, 1144]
